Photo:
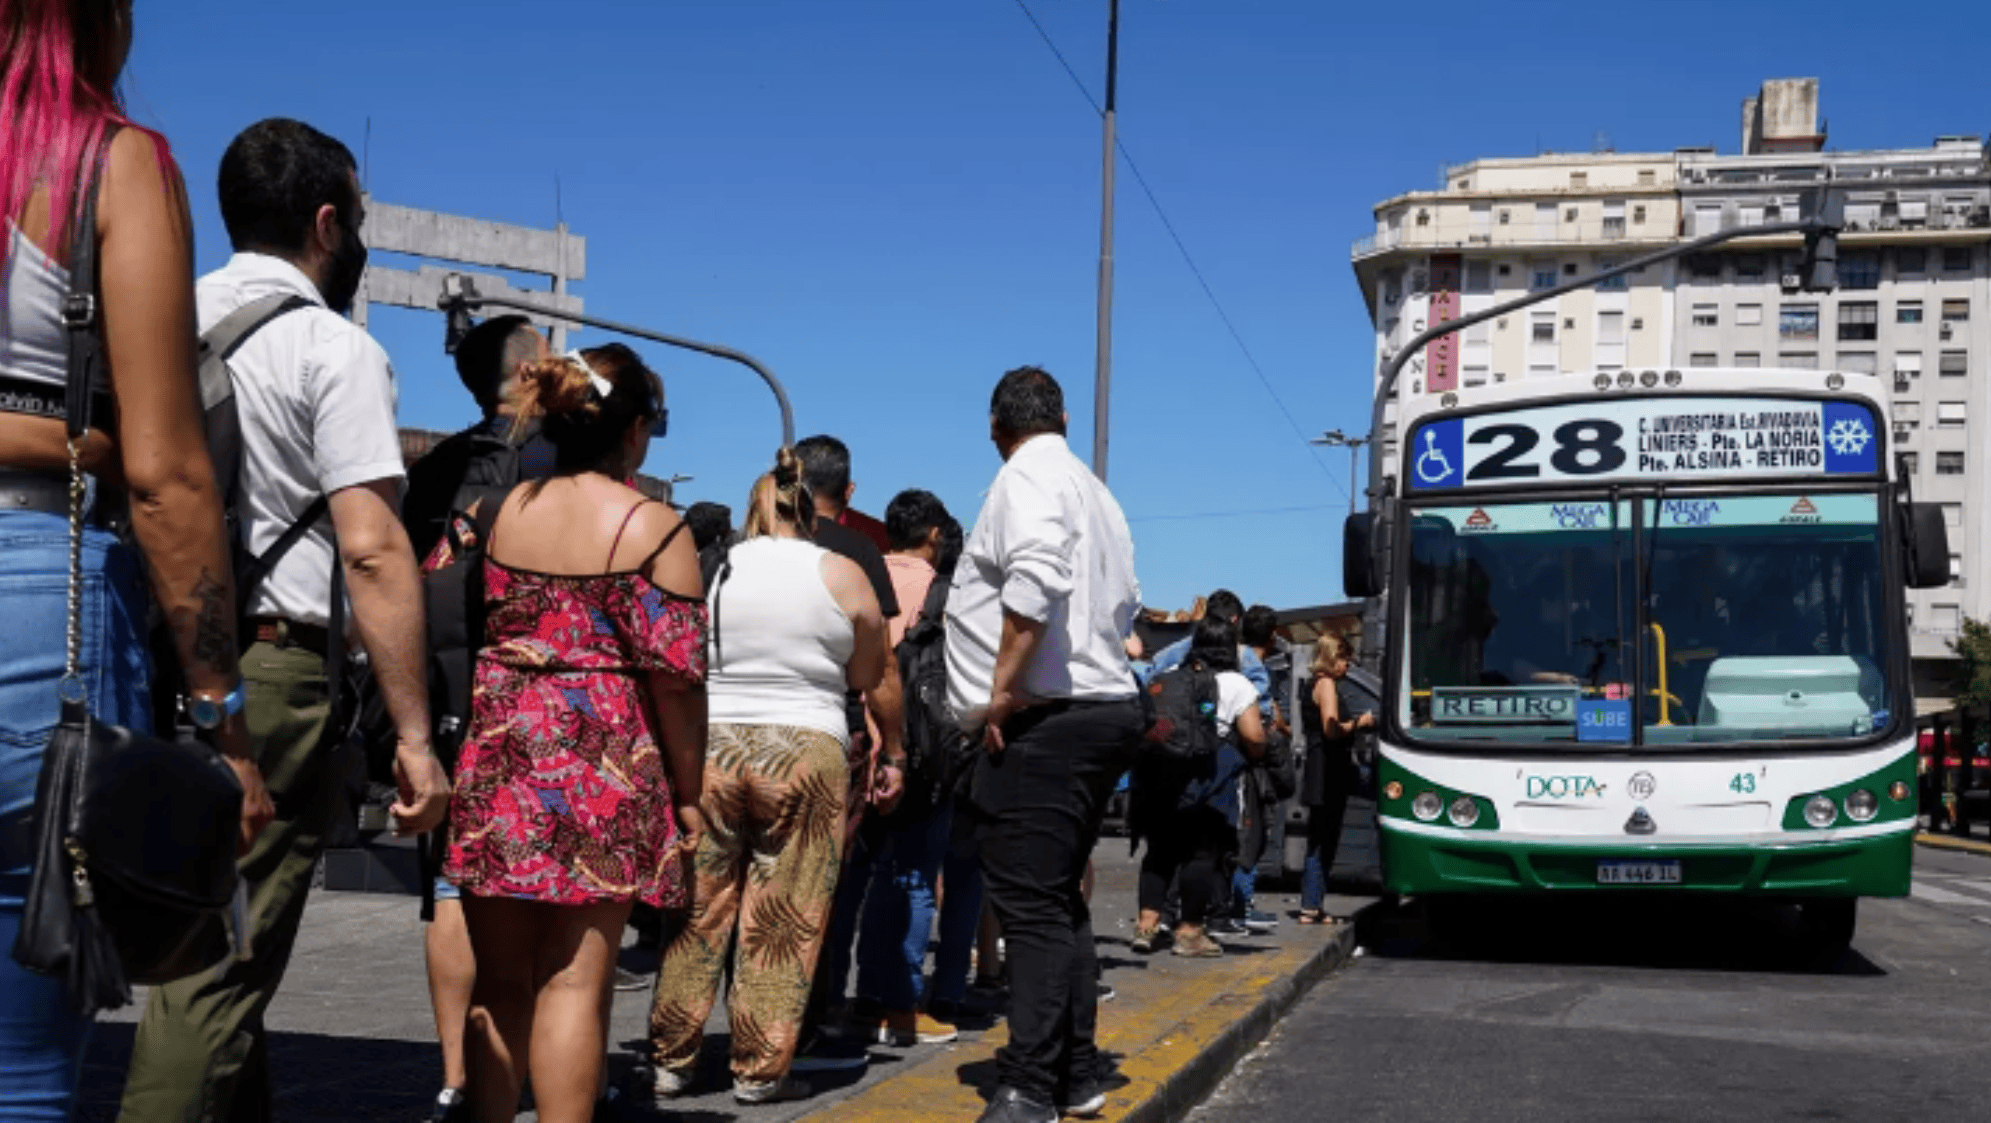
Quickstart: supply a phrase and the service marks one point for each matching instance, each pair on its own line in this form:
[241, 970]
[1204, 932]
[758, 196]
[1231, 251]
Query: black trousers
[1039, 804]
[1191, 848]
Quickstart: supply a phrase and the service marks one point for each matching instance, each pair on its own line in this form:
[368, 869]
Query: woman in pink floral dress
[577, 790]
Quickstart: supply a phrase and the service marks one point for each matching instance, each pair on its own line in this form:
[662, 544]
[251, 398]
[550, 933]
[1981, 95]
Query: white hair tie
[602, 385]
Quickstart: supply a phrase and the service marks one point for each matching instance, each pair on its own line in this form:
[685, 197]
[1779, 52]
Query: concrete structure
[554, 254]
[1913, 301]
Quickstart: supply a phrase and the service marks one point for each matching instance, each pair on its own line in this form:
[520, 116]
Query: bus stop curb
[1170, 1099]
[1944, 842]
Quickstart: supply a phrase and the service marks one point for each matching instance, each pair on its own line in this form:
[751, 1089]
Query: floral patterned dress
[562, 794]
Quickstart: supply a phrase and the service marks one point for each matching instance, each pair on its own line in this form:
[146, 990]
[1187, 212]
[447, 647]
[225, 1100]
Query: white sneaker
[670, 1083]
[773, 1092]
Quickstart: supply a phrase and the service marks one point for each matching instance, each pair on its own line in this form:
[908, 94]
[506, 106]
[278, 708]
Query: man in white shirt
[315, 396]
[1037, 617]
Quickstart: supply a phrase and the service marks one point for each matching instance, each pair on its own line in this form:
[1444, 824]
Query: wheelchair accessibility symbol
[1433, 467]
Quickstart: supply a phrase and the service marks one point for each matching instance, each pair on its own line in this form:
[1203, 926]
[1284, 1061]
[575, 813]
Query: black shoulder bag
[134, 876]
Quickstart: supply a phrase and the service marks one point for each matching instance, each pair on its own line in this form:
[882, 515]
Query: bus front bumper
[1425, 862]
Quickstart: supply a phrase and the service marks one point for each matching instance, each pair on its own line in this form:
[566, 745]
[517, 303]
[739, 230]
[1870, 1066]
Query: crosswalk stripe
[1944, 896]
[1978, 884]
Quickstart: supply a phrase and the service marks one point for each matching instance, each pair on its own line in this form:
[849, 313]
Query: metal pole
[1354, 454]
[459, 293]
[1102, 384]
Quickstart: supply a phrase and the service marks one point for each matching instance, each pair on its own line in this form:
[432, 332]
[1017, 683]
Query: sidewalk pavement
[353, 1038]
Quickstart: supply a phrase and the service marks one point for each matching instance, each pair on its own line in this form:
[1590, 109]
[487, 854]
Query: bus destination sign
[1671, 438]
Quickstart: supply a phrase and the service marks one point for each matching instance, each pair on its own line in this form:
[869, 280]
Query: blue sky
[892, 201]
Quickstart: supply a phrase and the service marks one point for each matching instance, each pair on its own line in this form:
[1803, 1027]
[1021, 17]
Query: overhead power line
[1188, 258]
[1234, 514]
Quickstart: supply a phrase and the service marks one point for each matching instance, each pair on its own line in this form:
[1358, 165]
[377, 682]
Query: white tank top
[33, 344]
[780, 641]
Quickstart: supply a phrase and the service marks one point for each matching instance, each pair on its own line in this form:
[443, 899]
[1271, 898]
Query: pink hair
[52, 116]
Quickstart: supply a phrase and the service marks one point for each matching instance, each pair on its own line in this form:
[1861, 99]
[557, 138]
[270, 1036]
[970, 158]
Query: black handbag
[134, 877]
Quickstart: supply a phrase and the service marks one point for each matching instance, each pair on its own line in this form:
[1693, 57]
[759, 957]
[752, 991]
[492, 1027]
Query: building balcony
[1601, 234]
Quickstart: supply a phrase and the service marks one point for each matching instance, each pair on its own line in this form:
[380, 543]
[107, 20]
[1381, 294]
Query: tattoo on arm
[212, 643]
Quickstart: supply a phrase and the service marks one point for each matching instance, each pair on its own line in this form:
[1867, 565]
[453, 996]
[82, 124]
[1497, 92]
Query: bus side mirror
[1358, 556]
[1928, 546]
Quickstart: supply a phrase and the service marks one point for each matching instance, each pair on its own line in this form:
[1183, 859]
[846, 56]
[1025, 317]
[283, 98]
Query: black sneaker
[1085, 1099]
[1106, 991]
[452, 1106]
[1011, 1106]
[626, 980]
[824, 1054]
[1226, 926]
[1260, 922]
[608, 1109]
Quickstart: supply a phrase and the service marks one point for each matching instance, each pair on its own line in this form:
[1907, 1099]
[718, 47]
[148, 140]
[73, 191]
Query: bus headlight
[1464, 811]
[1861, 806]
[1820, 811]
[1427, 806]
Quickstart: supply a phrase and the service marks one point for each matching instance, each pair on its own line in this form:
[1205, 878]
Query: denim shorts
[41, 1040]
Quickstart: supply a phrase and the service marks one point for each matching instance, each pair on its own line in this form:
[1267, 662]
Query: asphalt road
[1644, 1009]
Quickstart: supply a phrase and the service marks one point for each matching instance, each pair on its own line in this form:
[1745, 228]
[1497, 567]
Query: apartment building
[1913, 300]
[1498, 228]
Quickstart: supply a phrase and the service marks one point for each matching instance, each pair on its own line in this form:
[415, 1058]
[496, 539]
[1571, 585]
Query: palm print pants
[774, 809]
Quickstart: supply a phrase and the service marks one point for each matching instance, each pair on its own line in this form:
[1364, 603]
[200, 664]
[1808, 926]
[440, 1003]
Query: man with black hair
[315, 397]
[826, 469]
[1037, 619]
[712, 532]
[488, 360]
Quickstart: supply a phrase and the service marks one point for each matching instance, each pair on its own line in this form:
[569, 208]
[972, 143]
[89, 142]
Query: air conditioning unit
[1947, 330]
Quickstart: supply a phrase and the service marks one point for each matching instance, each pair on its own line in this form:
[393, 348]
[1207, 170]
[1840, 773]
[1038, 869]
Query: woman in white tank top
[793, 628]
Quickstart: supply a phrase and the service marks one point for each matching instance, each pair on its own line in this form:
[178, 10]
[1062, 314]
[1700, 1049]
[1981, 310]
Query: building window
[1956, 259]
[1749, 267]
[1638, 209]
[1614, 220]
[1542, 277]
[1953, 514]
[1701, 359]
[1579, 179]
[1945, 619]
[1859, 319]
[1545, 221]
[1908, 312]
[1610, 328]
[1911, 262]
[1908, 462]
[1707, 218]
[1541, 327]
[1949, 464]
[1705, 266]
[1569, 269]
[1956, 311]
[1953, 364]
[1949, 415]
[1798, 321]
[1647, 177]
[1423, 217]
[1907, 364]
[1706, 316]
[1956, 571]
[1908, 415]
[1798, 360]
[1479, 276]
[1475, 375]
[1749, 358]
[1747, 315]
[1859, 271]
[1859, 362]
[1613, 284]
[1749, 214]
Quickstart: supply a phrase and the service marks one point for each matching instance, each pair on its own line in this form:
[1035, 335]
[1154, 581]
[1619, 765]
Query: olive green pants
[201, 1055]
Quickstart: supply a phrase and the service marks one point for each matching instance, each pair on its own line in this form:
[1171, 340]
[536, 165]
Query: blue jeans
[898, 912]
[832, 981]
[41, 1038]
[960, 913]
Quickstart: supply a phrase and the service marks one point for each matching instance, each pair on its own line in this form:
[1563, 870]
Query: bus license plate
[1639, 873]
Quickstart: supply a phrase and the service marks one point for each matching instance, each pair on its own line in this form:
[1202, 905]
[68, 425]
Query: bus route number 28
[1582, 448]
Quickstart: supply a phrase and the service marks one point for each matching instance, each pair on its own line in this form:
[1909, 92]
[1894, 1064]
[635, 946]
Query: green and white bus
[1646, 633]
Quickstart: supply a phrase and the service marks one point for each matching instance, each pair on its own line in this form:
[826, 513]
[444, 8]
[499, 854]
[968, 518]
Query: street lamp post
[1102, 373]
[1337, 439]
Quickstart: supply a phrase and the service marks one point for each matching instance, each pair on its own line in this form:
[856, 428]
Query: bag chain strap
[71, 687]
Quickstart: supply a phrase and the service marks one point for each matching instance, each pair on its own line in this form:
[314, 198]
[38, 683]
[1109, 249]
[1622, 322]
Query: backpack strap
[256, 567]
[88, 383]
[220, 342]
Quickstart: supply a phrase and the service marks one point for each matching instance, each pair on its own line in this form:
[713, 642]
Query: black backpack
[937, 752]
[454, 602]
[1185, 715]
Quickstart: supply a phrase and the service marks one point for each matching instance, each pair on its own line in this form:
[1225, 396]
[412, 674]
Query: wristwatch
[210, 713]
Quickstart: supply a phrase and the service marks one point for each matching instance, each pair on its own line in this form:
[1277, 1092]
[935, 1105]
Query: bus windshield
[1763, 619]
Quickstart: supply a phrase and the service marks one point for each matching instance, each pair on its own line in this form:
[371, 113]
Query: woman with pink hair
[68, 154]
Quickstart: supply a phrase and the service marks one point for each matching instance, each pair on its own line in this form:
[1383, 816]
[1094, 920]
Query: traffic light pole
[460, 296]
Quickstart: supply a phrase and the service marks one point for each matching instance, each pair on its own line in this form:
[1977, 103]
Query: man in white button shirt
[1041, 604]
[315, 397]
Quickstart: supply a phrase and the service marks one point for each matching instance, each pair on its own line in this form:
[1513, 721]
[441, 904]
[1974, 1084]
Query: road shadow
[984, 1079]
[1661, 932]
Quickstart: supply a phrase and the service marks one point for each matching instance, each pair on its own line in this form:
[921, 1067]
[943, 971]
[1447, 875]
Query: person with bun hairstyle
[794, 627]
[578, 786]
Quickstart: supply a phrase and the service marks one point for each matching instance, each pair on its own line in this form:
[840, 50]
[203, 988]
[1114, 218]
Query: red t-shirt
[864, 524]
